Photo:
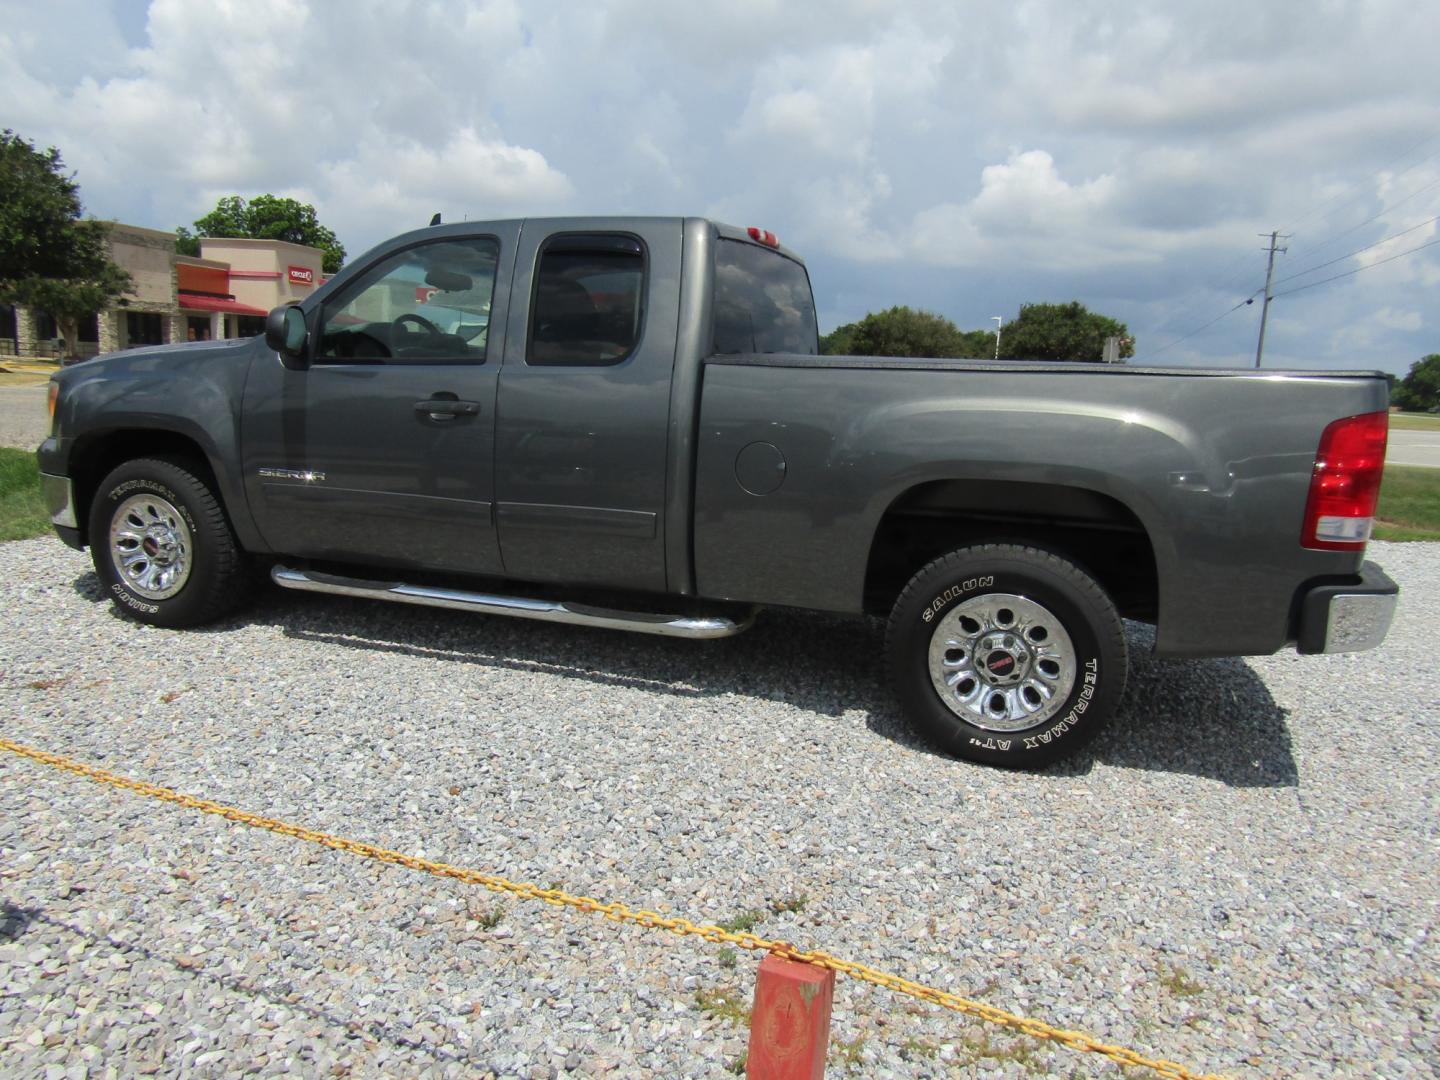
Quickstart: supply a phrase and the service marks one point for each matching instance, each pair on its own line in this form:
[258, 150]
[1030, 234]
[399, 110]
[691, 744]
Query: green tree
[265, 217]
[49, 258]
[840, 341]
[1061, 332]
[903, 331]
[1419, 391]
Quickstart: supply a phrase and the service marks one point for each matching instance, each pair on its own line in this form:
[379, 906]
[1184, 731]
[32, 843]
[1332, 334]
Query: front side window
[428, 304]
[588, 304]
[762, 302]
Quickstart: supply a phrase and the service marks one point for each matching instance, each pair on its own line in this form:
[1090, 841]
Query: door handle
[447, 407]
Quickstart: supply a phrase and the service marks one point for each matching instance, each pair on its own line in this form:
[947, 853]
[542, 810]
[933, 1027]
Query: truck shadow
[1209, 718]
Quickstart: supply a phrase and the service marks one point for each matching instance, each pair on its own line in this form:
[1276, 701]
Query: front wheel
[1006, 655]
[162, 545]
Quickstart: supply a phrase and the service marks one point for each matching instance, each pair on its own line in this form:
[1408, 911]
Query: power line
[1379, 214]
[1356, 198]
[1358, 251]
[1368, 266]
[1248, 300]
[1340, 201]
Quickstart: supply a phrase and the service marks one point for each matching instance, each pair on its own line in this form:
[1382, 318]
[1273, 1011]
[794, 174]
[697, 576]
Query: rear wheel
[1006, 655]
[162, 545]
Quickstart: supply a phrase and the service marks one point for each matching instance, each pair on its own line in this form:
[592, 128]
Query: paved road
[23, 422]
[1414, 448]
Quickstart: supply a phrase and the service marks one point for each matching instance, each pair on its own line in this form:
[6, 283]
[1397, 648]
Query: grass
[1409, 504]
[22, 510]
[743, 923]
[724, 1003]
[22, 378]
[847, 1053]
[787, 904]
[1414, 421]
[1178, 982]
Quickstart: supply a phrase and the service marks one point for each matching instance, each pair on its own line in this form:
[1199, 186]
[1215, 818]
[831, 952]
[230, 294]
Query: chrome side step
[645, 622]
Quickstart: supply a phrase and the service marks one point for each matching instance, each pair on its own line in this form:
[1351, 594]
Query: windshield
[762, 302]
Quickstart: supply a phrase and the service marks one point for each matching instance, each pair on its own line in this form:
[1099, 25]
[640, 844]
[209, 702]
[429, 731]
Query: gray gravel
[23, 420]
[1240, 876]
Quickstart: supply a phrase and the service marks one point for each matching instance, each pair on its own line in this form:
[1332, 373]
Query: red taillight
[763, 236]
[1345, 485]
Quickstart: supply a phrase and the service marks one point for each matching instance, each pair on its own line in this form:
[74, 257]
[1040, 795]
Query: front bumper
[1348, 618]
[59, 495]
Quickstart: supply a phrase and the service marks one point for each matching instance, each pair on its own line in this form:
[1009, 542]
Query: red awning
[192, 302]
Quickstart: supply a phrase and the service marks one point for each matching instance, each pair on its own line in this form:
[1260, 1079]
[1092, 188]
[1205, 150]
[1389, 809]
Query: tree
[1061, 332]
[265, 217]
[49, 258]
[840, 341]
[1419, 391]
[903, 331]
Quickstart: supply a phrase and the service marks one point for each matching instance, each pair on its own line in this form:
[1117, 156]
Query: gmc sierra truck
[625, 422]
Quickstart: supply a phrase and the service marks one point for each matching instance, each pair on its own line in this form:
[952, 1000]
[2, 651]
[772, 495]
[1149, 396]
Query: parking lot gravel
[1240, 875]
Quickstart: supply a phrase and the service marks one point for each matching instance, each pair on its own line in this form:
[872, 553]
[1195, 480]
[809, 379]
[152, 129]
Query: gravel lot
[1241, 875]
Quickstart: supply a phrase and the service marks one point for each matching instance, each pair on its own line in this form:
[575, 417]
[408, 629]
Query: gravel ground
[23, 422]
[1240, 875]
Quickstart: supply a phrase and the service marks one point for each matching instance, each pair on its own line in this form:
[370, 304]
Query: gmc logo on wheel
[301, 275]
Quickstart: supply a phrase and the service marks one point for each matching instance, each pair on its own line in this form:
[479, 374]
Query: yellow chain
[619, 912]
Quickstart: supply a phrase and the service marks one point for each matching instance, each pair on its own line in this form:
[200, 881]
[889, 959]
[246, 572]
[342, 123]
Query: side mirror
[285, 333]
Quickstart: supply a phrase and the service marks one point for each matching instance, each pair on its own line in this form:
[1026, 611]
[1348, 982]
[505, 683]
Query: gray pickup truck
[624, 422]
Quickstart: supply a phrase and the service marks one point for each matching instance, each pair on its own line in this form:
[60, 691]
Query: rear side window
[762, 302]
[588, 304]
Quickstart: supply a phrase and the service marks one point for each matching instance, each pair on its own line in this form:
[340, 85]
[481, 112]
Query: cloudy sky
[961, 157]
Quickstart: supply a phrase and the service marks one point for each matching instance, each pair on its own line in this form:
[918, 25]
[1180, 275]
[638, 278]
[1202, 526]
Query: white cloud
[1026, 208]
[398, 179]
[1398, 320]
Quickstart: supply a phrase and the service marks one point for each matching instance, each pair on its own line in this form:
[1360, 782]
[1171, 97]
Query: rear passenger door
[584, 403]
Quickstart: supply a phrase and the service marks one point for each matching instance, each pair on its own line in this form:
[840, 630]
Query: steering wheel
[420, 320]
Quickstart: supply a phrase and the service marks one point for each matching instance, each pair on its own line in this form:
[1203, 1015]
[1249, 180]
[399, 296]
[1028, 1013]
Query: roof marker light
[763, 236]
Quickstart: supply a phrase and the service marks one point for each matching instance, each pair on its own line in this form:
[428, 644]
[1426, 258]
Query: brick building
[224, 293]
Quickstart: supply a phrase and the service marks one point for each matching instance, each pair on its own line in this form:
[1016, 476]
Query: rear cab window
[763, 302]
[588, 305]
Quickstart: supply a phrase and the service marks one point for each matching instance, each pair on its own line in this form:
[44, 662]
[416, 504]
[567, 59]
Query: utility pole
[998, 323]
[1265, 308]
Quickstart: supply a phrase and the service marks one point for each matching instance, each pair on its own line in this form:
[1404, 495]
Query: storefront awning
[193, 302]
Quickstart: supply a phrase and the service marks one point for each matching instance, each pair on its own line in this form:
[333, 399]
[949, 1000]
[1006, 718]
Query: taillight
[1345, 485]
[763, 236]
[53, 398]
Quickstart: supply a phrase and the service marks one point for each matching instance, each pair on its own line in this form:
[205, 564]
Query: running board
[645, 622]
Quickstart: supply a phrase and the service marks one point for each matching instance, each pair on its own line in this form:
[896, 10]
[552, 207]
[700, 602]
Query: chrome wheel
[1002, 662]
[150, 546]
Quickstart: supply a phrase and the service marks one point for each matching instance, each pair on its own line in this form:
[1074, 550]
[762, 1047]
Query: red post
[790, 1023]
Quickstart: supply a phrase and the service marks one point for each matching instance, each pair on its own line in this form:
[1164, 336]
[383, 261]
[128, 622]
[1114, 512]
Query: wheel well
[1096, 532]
[92, 459]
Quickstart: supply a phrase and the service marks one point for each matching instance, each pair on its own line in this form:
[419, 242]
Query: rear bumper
[1348, 618]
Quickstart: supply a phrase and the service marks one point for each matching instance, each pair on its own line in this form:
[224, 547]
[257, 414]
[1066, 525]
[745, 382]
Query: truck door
[382, 451]
[584, 404]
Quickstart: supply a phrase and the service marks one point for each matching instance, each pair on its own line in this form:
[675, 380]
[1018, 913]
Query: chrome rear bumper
[1348, 618]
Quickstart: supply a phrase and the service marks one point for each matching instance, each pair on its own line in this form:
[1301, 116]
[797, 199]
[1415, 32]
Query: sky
[961, 157]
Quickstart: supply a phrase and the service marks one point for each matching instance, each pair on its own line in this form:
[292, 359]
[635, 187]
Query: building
[224, 293]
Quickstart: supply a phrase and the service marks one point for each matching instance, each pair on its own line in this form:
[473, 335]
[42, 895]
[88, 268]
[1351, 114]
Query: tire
[1006, 655]
[162, 546]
